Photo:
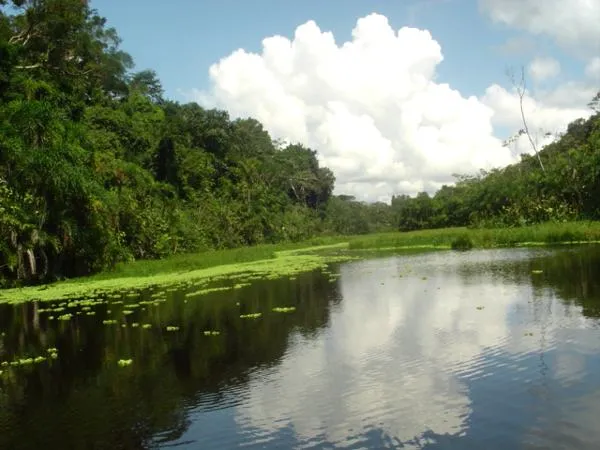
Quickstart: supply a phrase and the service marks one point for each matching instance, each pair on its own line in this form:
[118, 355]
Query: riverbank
[287, 259]
[464, 238]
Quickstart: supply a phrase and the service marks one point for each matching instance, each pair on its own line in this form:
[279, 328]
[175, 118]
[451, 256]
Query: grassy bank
[195, 261]
[544, 234]
[290, 258]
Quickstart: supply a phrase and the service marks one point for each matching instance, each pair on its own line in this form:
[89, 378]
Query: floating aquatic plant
[211, 333]
[283, 264]
[109, 322]
[65, 317]
[250, 316]
[22, 362]
[124, 362]
[146, 326]
[207, 291]
[537, 271]
[284, 309]
[172, 328]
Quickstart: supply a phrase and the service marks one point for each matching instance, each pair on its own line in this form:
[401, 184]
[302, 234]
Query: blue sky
[181, 42]
[379, 135]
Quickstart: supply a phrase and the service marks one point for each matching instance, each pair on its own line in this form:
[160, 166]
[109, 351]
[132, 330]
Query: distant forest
[97, 167]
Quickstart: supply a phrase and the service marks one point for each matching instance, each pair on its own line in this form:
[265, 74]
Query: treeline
[96, 166]
[564, 187]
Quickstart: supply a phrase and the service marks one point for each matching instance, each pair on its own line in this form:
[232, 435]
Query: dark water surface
[442, 350]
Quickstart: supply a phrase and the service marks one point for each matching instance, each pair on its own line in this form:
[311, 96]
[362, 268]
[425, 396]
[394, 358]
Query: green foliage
[97, 168]
[462, 242]
[345, 215]
[520, 194]
[445, 238]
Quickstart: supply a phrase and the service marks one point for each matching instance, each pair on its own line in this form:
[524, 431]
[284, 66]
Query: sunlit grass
[244, 265]
[464, 238]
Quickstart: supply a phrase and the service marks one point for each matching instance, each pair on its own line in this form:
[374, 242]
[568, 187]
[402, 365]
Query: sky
[396, 96]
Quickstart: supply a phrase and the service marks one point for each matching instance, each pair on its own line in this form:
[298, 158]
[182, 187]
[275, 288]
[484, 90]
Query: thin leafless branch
[521, 88]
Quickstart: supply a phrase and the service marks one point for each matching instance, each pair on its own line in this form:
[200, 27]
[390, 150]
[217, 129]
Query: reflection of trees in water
[571, 272]
[85, 397]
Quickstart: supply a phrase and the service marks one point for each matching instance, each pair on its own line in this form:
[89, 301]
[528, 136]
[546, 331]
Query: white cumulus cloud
[592, 69]
[375, 112]
[560, 106]
[543, 68]
[371, 106]
[572, 24]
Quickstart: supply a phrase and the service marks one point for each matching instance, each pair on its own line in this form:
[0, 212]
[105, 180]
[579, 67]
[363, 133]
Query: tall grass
[194, 261]
[460, 238]
[548, 233]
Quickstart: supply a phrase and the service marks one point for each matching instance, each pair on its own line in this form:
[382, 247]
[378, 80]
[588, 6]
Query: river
[494, 349]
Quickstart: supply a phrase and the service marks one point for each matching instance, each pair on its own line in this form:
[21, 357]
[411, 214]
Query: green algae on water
[284, 264]
[250, 316]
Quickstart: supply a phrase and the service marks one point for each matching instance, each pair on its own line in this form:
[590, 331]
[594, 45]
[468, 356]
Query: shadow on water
[483, 349]
[84, 399]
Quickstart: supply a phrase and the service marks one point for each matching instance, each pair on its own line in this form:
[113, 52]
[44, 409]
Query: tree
[148, 84]
[594, 103]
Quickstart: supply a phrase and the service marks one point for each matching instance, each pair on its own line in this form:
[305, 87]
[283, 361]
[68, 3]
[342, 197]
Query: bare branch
[521, 88]
[23, 37]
